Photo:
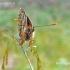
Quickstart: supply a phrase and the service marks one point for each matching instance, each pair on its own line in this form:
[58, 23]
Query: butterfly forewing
[22, 21]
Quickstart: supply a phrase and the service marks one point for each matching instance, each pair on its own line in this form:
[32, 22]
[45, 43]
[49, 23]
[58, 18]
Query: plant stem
[27, 58]
[26, 55]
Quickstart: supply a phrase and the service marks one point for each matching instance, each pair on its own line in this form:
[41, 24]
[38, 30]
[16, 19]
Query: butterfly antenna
[46, 25]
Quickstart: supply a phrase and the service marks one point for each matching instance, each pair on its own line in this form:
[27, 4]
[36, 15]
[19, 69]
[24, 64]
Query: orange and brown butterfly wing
[22, 21]
[25, 27]
[21, 25]
[29, 24]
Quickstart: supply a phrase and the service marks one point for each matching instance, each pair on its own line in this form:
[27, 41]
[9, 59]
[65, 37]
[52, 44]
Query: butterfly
[26, 29]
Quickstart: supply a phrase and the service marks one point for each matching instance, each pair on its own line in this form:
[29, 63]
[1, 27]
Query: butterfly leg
[18, 41]
[21, 42]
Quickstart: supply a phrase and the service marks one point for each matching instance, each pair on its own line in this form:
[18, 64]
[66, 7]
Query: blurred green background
[53, 42]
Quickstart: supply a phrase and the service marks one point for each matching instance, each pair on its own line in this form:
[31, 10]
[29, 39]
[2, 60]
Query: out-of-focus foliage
[52, 42]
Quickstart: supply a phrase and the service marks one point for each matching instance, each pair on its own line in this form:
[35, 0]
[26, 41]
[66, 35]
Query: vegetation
[52, 41]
